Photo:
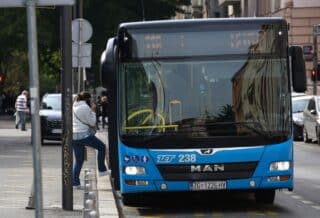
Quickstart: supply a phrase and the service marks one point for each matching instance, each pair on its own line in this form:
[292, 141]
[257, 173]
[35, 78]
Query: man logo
[206, 151]
[206, 168]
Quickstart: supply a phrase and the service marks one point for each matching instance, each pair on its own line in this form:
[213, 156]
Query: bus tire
[131, 200]
[266, 196]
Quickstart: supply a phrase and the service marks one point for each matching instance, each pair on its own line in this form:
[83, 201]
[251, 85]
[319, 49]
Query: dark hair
[84, 96]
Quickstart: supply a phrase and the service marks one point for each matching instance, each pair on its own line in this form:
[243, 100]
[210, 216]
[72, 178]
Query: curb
[107, 206]
[106, 198]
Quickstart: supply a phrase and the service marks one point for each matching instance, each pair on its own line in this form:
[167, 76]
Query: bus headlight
[134, 170]
[281, 165]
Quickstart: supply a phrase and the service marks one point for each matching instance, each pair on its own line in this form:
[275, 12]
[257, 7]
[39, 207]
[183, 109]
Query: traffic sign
[84, 62]
[81, 30]
[85, 49]
[84, 54]
[22, 3]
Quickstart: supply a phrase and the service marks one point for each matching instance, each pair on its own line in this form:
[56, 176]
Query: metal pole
[34, 103]
[142, 9]
[80, 9]
[80, 73]
[315, 59]
[67, 155]
[84, 77]
[79, 57]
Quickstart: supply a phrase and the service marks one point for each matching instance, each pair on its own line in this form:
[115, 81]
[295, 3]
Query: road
[16, 163]
[304, 201]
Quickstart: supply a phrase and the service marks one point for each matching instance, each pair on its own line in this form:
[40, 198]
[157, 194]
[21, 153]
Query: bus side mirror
[298, 69]
[108, 61]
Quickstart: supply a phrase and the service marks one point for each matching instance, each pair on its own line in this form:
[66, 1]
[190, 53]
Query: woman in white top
[84, 119]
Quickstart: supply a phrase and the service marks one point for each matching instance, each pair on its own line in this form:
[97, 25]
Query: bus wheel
[131, 200]
[265, 196]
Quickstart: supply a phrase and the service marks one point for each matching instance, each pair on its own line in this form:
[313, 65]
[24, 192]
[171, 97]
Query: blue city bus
[201, 105]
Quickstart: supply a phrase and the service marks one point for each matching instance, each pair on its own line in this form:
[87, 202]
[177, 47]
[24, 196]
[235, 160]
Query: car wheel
[305, 136]
[265, 196]
[297, 132]
[42, 141]
[318, 136]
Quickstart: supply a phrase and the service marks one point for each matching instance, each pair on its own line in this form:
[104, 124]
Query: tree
[104, 16]
[12, 42]
[13, 52]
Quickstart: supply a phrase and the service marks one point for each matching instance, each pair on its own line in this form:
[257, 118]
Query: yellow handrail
[175, 127]
[149, 117]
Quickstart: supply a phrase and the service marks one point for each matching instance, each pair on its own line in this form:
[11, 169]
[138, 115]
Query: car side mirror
[314, 112]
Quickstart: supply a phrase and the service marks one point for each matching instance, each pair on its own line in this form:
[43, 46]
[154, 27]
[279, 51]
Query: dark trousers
[78, 148]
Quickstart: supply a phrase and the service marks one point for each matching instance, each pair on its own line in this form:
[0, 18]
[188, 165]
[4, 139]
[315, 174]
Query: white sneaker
[80, 187]
[105, 173]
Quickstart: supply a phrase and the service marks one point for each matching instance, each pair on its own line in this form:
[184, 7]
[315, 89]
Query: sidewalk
[107, 205]
[51, 178]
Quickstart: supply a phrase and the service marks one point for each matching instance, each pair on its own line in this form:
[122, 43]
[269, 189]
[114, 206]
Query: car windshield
[52, 102]
[298, 105]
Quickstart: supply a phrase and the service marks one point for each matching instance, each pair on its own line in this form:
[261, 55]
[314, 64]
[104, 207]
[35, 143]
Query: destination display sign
[200, 43]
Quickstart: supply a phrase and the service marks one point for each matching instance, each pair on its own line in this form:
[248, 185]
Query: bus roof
[196, 22]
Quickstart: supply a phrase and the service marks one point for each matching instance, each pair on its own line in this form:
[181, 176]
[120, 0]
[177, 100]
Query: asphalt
[52, 176]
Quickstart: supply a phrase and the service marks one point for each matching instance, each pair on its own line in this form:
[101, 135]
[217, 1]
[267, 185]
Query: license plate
[208, 185]
[56, 131]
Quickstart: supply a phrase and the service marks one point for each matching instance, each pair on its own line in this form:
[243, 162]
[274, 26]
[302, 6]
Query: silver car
[51, 118]
[299, 103]
[311, 122]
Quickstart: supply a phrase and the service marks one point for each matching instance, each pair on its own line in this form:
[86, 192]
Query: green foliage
[50, 71]
[105, 16]
[12, 42]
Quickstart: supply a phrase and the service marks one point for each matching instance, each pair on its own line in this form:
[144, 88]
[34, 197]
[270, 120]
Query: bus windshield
[211, 96]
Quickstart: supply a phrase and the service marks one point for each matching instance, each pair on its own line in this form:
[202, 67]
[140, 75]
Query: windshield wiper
[254, 128]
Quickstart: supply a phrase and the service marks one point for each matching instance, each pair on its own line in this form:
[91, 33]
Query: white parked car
[299, 103]
[311, 122]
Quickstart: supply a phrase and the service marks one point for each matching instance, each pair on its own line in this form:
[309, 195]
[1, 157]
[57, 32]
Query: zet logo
[165, 158]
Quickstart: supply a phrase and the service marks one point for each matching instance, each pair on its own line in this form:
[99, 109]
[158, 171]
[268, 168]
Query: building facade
[301, 15]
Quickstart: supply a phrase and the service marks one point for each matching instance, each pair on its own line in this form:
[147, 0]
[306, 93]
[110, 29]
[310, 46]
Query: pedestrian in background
[98, 111]
[105, 108]
[2, 100]
[22, 110]
[84, 120]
